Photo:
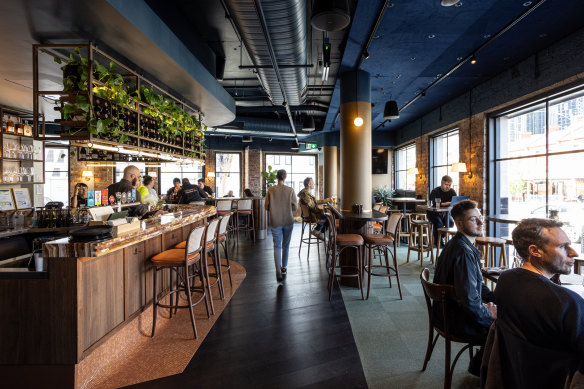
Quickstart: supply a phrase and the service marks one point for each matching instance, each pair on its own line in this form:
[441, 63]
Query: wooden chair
[446, 295]
[182, 262]
[336, 244]
[223, 239]
[444, 233]
[381, 243]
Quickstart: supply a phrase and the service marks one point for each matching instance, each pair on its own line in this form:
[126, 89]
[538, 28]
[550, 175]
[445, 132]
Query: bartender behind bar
[131, 180]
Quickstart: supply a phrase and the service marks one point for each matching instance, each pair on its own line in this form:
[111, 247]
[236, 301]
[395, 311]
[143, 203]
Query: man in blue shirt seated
[540, 324]
[459, 264]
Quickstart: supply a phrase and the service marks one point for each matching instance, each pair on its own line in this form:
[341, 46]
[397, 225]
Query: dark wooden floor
[276, 335]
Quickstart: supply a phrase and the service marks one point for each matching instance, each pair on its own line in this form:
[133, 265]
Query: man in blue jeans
[281, 202]
[444, 194]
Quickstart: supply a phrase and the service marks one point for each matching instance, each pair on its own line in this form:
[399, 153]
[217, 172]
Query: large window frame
[295, 180]
[543, 117]
[170, 171]
[451, 154]
[219, 192]
[402, 171]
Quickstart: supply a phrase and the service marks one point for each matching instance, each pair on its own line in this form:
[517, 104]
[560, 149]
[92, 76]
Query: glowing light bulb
[358, 121]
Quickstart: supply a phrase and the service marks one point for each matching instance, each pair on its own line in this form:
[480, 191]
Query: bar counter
[58, 330]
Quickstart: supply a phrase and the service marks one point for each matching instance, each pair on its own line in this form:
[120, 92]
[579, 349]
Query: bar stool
[421, 239]
[224, 207]
[222, 239]
[244, 209]
[487, 246]
[310, 240]
[517, 261]
[404, 231]
[377, 228]
[184, 260]
[444, 233]
[336, 244]
[210, 248]
[381, 242]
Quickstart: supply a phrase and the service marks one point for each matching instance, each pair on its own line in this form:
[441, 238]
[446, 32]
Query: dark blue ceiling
[418, 41]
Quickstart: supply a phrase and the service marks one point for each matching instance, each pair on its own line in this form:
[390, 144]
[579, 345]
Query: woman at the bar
[147, 192]
[79, 198]
[281, 202]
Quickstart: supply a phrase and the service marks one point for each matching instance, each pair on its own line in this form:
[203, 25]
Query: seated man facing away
[189, 192]
[459, 265]
[444, 193]
[316, 213]
[541, 323]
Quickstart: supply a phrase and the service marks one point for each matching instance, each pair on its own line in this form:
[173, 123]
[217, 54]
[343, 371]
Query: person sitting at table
[541, 323]
[229, 194]
[172, 194]
[189, 192]
[459, 264]
[444, 193]
[207, 191]
[79, 198]
[316, 213]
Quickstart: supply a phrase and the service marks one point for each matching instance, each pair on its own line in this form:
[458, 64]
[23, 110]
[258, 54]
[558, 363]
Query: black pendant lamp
[391, 111]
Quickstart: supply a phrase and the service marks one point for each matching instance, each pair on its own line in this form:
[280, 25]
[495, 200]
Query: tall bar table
[353, 223]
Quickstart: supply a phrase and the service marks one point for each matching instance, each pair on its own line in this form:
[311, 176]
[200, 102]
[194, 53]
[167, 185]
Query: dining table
[353, 223]
[445, 210]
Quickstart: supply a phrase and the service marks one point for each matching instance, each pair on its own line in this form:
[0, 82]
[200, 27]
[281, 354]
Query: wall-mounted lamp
[460, 167]
[358, 121]
[416, 172]
[87, 174]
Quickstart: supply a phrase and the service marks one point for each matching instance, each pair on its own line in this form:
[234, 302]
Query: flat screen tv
[379, 161]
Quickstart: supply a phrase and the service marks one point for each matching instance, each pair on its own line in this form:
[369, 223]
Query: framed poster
[22, 198]
[6, 200]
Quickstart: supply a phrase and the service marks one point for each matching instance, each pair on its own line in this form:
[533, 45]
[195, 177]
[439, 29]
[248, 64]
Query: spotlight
[424, 94]
[473, 60]
[365, 55]
[269, 139]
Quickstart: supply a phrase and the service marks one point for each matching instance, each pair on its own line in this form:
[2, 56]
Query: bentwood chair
[183, 263]
[337, 243]
[223, 240]
[380, 243]
[245, 211]
[446, 296]
[310, 240]
[224, 207]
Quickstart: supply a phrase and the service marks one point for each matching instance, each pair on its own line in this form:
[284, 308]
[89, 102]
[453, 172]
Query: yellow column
[355, 140]
[330, 171]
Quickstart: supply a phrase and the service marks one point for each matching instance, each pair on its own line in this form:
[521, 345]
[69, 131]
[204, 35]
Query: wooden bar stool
[211, 254]
[223, 239]
[404, 230]
[185, 260]
[381, 243]
[224, 207]
[444, 233]
[421, 240]
[245, 210]
[307, 222]
[487, 246]
[336, 244]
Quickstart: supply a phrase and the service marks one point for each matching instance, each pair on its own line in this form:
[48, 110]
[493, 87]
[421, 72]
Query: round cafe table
[353, 223]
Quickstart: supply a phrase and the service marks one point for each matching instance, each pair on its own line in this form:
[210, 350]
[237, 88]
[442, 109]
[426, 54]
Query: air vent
[247, 139]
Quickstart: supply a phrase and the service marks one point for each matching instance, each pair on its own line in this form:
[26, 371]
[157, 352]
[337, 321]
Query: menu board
[22, 198]
[6, 200]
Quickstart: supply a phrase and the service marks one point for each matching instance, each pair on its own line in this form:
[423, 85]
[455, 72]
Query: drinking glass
[438, 201]
[118, 197]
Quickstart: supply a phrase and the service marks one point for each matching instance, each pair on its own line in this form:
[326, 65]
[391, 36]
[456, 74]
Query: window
[405, 159]
[227, 174]
[444, 152]
[537, 162]
[297, 167]
[56, 187]
[168, 171]
[120, 166]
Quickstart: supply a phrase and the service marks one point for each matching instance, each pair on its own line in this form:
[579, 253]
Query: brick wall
[102, 176]
[254, 171]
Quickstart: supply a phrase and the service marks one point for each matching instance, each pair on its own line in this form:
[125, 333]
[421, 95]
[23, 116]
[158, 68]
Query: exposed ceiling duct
[286, 22]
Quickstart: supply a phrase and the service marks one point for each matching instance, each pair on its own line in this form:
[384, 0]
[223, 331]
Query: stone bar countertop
[180, 216]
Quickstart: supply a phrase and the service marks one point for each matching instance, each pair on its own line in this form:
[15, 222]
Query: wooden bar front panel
[101, 296]
[135, 278]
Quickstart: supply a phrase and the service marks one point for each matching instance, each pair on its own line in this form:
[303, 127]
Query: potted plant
[269, 178]
[383, 195]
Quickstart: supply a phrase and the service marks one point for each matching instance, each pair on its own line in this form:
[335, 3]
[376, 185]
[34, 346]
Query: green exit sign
[311, 146]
